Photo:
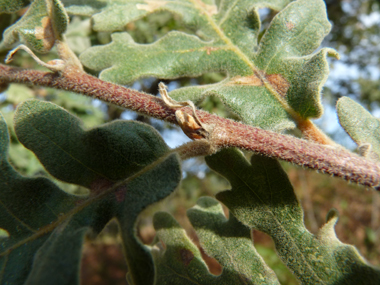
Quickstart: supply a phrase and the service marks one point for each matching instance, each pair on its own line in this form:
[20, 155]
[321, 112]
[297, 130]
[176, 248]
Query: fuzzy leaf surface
[141, 182]
[105, 154]
[114, 15]
[180, 262]
[263, 198]
[11, 6]
[239, 258]
[38, 28]
[152, 186]
[269, 83]
[362, 127]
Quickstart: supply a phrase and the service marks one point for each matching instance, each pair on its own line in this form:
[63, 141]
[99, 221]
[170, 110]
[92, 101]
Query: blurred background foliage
[355, 35]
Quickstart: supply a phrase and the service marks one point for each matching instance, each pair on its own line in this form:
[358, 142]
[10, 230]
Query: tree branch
[224, 133]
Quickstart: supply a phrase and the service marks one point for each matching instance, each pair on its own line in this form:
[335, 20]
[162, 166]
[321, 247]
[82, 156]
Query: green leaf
[77, 35]
[61, 254]
[11, 6]
[177, 260]
[17, 93]
[58, 16]
[269, 83]
[43, 23]
[131, 170]
[253, 105]
[239, 257]
[263, 198]
[362, 127]
[152, 186]
[102, 155]
[114, 15]
[28, 206]
[85, 7]
[163, 58]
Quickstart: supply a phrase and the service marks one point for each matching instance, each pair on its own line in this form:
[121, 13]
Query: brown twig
[225, 133]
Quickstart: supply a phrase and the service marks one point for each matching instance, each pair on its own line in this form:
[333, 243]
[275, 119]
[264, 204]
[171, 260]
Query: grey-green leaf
[271, 84]
[230, 243]
[102, 155]
[99, 158]
[255, 106]
[61, 254]
[11, 6]
[152, 186]
[27, 207]
[115, 15]
[38, 28]
[126, 165]
[177, 260]
[285, 50]
[175, 55]
[58, 17]
[262, 198]
[362, 127]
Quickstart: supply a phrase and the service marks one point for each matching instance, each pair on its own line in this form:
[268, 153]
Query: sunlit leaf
[239, 257]
[362, 127]
[11, 6]
[38, 28]
[262, 198]
[178, 261]
[270, 83]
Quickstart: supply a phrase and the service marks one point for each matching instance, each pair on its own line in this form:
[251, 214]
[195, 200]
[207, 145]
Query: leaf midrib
[275, 218]
[50, 227]
[246, 60]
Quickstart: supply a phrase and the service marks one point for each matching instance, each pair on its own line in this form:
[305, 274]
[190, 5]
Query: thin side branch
[225, 133]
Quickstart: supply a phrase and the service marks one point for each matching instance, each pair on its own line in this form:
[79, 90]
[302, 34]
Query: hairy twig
[222, 132]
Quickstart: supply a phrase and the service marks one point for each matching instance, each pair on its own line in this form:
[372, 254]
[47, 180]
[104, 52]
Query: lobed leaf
[115, 15]
[362, 127]
[178, 260]
[142, 191]
[39, 28]
[176, 54]
[270, 83]
[262, 198]
[126, 176]
[230, 243]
